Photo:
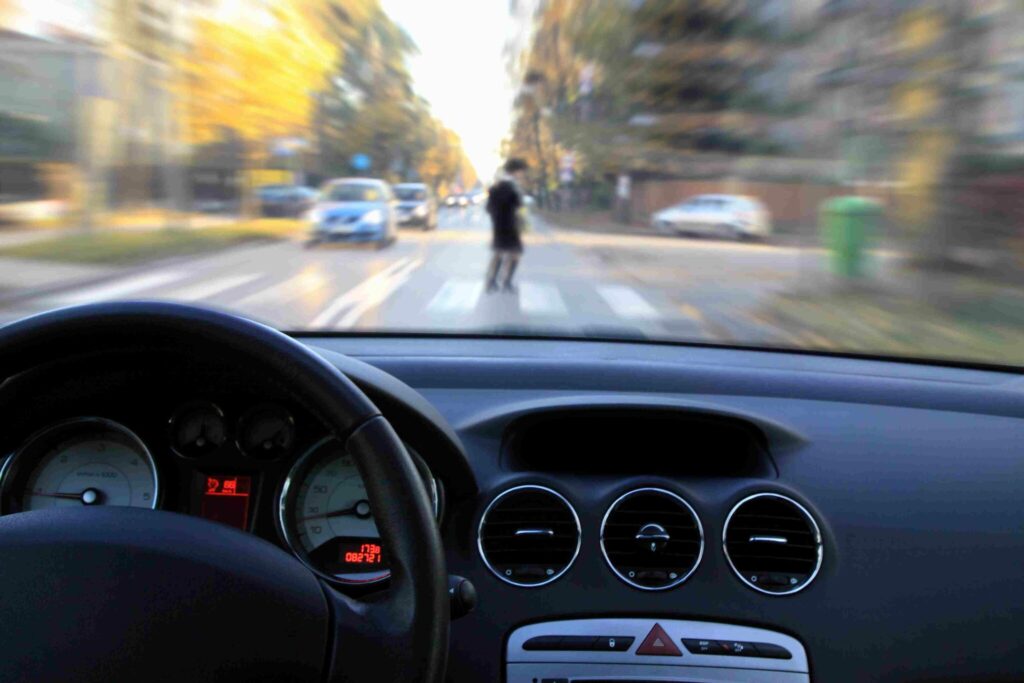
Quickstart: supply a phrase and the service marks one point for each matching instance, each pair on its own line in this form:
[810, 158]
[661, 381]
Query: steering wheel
[91, 594]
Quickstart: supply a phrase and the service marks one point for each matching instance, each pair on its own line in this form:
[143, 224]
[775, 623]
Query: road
[570, 283]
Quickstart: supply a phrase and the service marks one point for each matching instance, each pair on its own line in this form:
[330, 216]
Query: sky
[460, 69]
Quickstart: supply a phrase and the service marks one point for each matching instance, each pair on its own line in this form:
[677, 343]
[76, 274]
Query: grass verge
[981, 324]
[124, 247]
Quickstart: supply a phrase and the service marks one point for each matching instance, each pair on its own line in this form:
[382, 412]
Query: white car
[718, 215]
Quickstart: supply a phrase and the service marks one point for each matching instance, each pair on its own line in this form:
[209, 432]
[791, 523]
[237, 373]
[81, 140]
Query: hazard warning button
[657, 642]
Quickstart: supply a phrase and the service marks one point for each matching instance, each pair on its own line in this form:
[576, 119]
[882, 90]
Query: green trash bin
[848, 225]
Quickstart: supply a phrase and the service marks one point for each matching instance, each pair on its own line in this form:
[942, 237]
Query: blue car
[355, 210]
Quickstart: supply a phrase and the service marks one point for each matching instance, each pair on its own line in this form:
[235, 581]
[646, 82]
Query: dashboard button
[772, 651]
[614, 643]
[737, 648]
[699, 646]
[580, 643]
[658, 643]
[543, 643]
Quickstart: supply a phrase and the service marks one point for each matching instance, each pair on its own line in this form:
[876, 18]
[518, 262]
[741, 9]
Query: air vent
[772, 543]
[652, 539]
[529, 536]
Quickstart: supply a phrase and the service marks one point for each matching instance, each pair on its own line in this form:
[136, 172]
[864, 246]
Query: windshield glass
[352, 192]
[807, 174]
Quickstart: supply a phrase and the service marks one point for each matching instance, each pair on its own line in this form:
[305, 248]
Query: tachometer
[326, 517]
[86, 461]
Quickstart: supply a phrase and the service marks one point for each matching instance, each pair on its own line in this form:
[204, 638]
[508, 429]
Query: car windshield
[410, 193]
[352, 192]
[797, 174]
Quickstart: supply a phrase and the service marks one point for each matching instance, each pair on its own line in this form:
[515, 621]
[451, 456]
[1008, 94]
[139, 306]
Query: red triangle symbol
[657, 642]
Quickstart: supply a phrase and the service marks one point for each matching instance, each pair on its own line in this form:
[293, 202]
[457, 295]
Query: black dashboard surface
[912, 471]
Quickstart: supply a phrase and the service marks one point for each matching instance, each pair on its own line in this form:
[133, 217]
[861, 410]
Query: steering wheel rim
[399, 634]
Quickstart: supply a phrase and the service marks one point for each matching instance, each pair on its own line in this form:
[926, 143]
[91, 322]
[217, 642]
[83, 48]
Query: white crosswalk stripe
[627, 303]
[368, 294]
[119, 289]
[541, 300]
[210, 288]
[457, 295]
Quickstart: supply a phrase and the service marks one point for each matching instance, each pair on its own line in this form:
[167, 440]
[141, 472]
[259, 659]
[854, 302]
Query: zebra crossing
[387, 296]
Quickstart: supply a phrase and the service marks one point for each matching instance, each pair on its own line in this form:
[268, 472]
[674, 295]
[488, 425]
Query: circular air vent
[772, 543]
[529, 536]
[652, 539]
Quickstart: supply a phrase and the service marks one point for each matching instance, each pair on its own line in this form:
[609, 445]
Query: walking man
[503, 203]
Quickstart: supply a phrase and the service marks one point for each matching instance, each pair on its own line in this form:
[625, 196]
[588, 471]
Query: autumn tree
[369, 107]
[255, 73]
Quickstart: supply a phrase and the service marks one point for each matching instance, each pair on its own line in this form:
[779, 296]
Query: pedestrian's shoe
[492, 287]
[510, 288]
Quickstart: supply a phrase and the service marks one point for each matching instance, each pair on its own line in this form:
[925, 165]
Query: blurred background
[827, 174]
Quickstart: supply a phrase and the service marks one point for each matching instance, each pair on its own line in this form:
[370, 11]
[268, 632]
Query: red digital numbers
[227, 486]
[368, 553]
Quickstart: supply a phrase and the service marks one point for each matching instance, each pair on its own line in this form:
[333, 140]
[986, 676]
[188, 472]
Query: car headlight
[314, 215]
[375, 216]
[420, 210]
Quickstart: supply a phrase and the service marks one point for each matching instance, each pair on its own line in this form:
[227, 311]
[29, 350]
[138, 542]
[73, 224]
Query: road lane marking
[210, 288]
[119, 289]
[541, 300]
[313, 277]
[367, 294]
[627, 303]
[457, 295]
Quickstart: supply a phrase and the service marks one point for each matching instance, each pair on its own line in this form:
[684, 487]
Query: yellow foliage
[256, 73]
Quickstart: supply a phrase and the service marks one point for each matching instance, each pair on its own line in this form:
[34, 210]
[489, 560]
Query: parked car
[285, 200]
[719, 215]
[416, 205]
[356, 210]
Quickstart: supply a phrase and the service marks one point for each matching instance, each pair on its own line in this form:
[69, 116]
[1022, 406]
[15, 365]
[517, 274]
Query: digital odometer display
[327, 519]
[348, 556]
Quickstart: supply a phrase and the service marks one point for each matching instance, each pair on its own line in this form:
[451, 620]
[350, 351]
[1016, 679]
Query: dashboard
[625, 512]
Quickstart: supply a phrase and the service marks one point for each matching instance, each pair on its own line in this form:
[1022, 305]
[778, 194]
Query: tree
[369, 107]
[623, 84]
[255, 74]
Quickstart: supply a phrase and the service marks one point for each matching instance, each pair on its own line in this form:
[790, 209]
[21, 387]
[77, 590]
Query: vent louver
[529, 536]
[652, 539]
[772, 543]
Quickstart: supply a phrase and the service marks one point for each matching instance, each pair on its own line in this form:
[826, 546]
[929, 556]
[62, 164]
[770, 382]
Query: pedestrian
[504, 201]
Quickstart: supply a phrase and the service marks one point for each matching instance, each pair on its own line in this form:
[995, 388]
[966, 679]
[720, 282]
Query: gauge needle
[360, 509]
[90, 496]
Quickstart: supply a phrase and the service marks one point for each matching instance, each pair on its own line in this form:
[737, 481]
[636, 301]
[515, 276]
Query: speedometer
[325, 515]
[85, 461]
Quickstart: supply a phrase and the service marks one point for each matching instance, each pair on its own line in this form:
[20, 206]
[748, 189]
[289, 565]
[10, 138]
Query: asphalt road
[569, 283]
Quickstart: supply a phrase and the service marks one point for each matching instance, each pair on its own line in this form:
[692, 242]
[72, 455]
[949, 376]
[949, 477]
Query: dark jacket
[502, 203]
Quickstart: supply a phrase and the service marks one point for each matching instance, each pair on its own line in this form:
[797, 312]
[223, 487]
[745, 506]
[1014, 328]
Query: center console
[652, 650]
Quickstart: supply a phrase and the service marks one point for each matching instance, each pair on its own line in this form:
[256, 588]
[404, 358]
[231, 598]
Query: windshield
[800, 174]
[410, 193]
[352, 192]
